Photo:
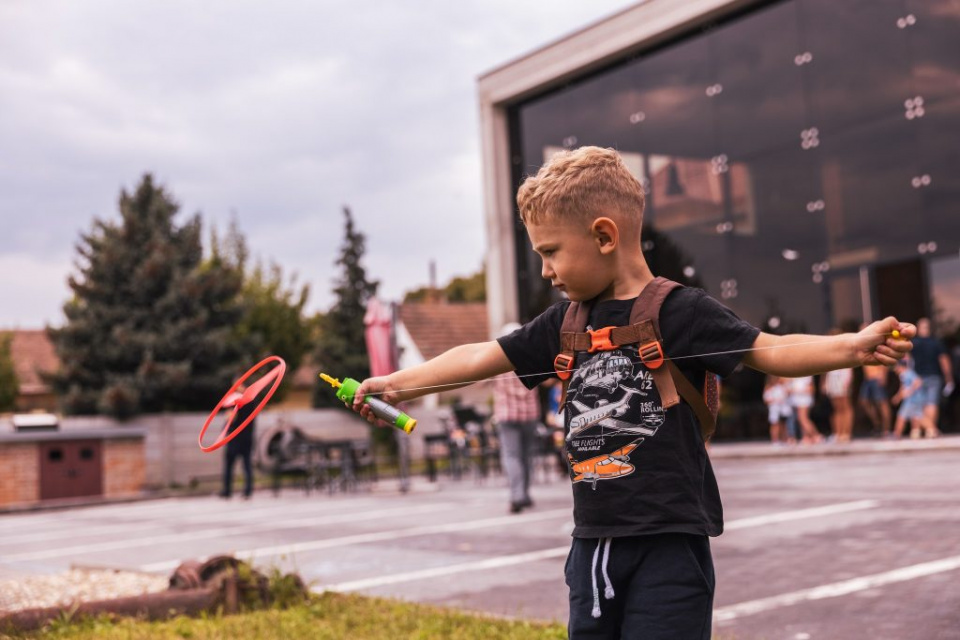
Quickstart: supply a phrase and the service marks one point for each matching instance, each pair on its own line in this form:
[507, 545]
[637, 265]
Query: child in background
[836, 386]
[801, 399]
[911, 404]
[775, 395]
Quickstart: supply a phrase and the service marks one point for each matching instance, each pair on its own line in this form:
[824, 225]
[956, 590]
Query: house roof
[32, 352]
[437, 327]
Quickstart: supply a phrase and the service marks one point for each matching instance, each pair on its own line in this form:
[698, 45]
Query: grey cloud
[281, 113]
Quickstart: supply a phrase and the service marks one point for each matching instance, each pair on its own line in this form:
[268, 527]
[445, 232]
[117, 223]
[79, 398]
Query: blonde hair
[581, 184]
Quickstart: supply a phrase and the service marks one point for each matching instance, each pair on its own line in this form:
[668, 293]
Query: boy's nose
[547, 272]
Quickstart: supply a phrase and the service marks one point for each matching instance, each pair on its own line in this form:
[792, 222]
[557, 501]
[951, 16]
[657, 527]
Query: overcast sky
[281, 112]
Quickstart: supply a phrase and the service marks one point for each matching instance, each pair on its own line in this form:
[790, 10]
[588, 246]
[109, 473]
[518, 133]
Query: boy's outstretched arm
[797, 355]
[455, 368]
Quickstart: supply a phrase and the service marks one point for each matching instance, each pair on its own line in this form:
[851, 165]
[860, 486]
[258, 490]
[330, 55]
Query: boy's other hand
[378, 387]
[875, 344]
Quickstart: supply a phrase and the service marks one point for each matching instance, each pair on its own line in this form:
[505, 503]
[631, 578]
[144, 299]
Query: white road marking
[800, 514]
[558, 552]
[836, 589]
[311, 515]
[379, 536]
[191, 536]
[479, 565]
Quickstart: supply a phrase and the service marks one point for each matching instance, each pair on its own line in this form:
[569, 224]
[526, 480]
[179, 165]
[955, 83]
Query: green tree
[273, 322]
[472, 288]
[9, 385]
[341, 347]
[150, 326]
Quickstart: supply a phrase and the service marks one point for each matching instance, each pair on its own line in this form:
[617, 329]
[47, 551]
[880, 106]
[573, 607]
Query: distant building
[425, 330]
[33, 355]
[799, 157]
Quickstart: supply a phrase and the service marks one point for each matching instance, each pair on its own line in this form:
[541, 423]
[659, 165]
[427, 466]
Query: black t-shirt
[926, 356]
[635, 468]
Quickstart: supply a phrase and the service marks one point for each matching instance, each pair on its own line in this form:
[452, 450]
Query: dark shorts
[929, 390]
[662, 588]
[873, 391]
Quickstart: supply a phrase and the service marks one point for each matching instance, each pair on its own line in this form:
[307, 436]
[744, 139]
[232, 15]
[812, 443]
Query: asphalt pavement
[827, 541]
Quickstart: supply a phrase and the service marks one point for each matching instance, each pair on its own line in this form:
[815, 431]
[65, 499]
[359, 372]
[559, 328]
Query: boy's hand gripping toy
[347, 389]
[231, 399]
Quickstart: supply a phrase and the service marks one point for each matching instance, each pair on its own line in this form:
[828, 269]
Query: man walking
[517, 412]
[932, 364]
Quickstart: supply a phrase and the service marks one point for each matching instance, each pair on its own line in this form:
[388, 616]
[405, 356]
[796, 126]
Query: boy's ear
[606, 234]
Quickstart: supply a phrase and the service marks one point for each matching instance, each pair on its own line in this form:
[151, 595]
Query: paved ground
[864, 545]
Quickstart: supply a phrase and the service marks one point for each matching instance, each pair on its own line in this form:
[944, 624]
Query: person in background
[775, 395]
[911, 399]
[801, 399]
[932, 364]
[873, 398]
[836, 386]
[240, 447]
[517, 412]
[554, 422]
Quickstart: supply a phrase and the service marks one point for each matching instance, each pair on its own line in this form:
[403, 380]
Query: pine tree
[9, 386]
[150, 324]
[342, 349]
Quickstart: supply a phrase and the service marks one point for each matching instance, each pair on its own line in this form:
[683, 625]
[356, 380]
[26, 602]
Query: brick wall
[124, 467]
[19, 481]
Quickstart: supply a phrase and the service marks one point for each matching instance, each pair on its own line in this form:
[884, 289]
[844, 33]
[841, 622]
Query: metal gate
[71, 469]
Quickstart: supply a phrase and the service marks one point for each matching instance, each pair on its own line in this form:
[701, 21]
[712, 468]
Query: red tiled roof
[32, 353]
[437, 327]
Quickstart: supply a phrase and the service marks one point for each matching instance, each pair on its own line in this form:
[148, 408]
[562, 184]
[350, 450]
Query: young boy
[645, 496]
[911, 399]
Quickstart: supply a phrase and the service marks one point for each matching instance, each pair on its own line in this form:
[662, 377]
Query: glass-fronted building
[801, 158]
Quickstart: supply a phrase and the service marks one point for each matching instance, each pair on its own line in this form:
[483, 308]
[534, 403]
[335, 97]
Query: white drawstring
[608, 587]
[608, 591]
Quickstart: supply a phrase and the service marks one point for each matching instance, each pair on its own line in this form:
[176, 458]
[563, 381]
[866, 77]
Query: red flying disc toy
[274, 375]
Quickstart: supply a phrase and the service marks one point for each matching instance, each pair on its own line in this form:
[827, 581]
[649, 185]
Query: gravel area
[76, 585]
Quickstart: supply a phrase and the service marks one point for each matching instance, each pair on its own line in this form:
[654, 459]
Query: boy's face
[572, 260]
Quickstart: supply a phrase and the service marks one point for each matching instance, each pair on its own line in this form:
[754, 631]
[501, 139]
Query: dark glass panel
[846, 299]
[593, 112]
[902, 290]
[778, 249]
[932, 28]
[860, 69]
[937, 179]
[674, 112]
[759, 71]
[945, 294]
[872, 210]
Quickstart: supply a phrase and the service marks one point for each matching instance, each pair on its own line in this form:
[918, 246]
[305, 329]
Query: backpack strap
[669, 379]
[643, 330]
[574, 322]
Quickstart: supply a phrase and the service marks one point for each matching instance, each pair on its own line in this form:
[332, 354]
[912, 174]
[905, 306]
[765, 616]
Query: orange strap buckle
[563, 365]
[651, 355]
[600, 340]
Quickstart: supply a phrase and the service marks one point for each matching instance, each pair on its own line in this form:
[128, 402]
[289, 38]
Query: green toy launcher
[347, 389]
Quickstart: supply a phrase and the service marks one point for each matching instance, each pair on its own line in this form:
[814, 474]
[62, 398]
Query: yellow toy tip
[332, 381]
[896, 334]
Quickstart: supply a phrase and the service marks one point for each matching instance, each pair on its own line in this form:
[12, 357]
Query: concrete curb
[724, 450]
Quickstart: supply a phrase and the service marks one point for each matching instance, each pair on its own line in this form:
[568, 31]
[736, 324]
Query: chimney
[434, 296]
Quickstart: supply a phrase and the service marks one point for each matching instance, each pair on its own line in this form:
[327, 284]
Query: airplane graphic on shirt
[608, 466]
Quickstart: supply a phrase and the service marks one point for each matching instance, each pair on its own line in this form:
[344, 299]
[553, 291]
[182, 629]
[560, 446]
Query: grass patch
[330, 616]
